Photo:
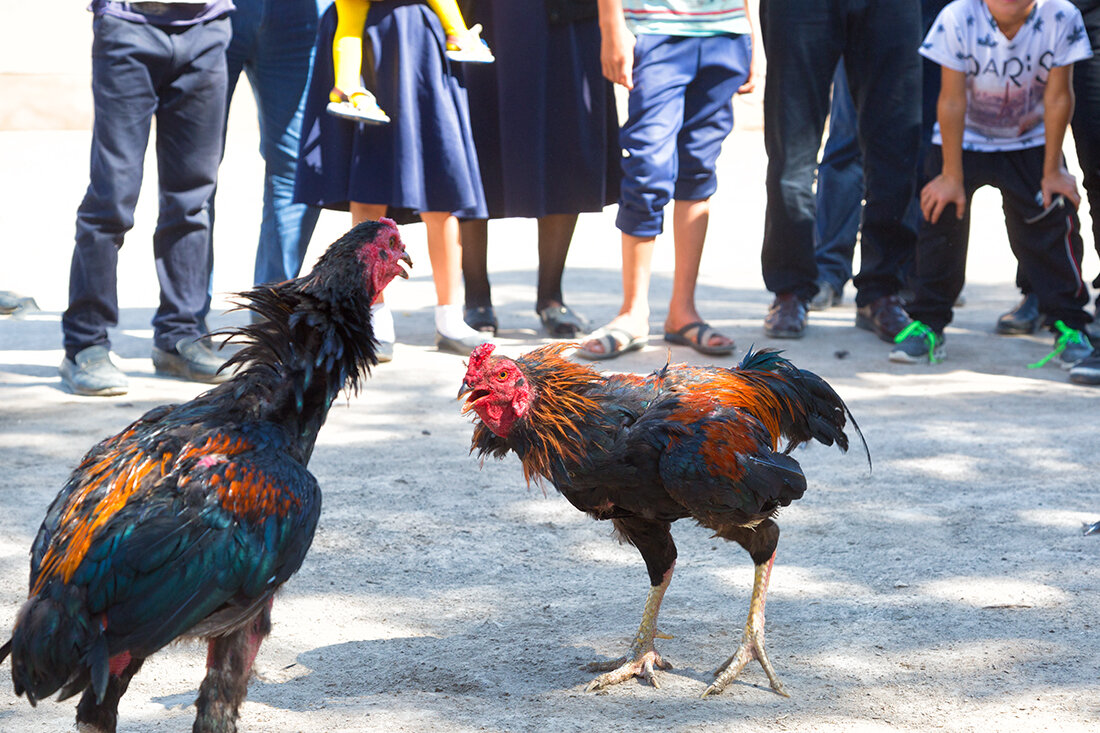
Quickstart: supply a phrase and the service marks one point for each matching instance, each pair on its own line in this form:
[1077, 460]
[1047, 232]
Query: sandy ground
[950, 588]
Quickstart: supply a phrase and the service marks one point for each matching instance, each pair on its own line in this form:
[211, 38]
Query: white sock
[448, 321]
[381, 320]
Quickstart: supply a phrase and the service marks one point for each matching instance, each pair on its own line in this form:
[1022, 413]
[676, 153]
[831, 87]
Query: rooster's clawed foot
[642, 665]
[752, 647]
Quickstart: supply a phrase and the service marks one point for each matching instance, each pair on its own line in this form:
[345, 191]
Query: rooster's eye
[503, 374]
[393, 241]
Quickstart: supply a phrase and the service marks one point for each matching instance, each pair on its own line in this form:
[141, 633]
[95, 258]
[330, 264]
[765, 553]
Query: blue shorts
[680, 111]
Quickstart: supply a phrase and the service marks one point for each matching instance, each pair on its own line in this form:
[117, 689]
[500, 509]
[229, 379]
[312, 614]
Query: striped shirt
[686, 17]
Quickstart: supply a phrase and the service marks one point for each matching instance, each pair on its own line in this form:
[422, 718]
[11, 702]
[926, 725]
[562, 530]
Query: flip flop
[699, 343]
[562, 322]
[616, 341]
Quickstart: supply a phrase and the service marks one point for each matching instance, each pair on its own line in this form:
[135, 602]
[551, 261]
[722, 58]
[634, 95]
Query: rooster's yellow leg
[752, 641]
[643, 659]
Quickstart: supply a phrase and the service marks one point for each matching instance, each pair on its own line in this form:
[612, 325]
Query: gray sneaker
[93, 373]
[1078, 347]
[827, 296]
[1087, 371]
[193, 360]
[916, 343]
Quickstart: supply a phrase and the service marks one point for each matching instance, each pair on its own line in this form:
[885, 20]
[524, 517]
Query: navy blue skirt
[425, 159]
[544, 119]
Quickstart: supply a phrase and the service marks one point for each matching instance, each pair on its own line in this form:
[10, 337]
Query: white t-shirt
[1005, 79]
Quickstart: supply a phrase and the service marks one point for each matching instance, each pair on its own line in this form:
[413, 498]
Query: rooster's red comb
[480, 354]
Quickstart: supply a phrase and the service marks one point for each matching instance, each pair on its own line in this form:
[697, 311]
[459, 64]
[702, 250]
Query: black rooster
[187, 522]
[699, 442]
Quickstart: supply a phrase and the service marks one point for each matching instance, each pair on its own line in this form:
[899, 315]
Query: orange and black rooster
[699, 442]
[187, 522]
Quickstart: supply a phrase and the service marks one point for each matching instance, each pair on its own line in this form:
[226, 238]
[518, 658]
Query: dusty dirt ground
[949, 589]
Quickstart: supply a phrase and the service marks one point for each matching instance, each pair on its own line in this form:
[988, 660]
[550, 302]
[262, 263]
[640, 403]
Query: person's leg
[475, 268]
[803, 40]
[478, 309]
[381, 318]
[449, 16]
[884, 75]
[689, 226]
[279, 74]
[1086, 121]
[121, 52]
[347, 44]
[1049, 250]
[939, 267]
[555, 235]
[445, 253]
[245, 22]
[839, 199]
[708, 120]
[190, 125]
[648, 138]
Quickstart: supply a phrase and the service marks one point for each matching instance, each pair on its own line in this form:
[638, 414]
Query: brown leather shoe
[787, 317]
[884, 316]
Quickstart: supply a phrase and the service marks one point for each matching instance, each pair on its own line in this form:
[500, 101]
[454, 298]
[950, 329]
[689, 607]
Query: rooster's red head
[499, 392]
[382, 253]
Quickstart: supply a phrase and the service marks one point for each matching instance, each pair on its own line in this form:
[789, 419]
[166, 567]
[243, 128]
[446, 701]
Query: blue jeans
[273, 44]
[839, 201]
[840, 173]
[804, 40]
[139, 71]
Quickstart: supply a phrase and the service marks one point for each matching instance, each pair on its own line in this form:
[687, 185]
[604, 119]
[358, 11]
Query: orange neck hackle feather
[560, 405]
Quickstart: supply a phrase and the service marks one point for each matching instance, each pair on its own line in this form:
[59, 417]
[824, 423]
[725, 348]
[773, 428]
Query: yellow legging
[347, 43]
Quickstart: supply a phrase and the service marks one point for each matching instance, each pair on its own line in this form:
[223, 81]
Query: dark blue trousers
[804, 40]
[1049, 250]
[840, 172]
[177, 75]
[1086, 119]
[679, 113]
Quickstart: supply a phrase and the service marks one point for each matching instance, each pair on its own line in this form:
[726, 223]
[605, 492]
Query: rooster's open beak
[464, 389]
[401, 271]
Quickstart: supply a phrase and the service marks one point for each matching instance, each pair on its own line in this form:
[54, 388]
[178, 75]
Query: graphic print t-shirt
[1005, 79]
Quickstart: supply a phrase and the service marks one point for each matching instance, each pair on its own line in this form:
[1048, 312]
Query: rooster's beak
[402, 272]
[464, 389]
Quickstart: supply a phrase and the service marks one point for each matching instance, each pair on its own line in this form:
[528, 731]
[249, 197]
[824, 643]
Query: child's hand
[938, 193]
[1060, 182]
[617, 54]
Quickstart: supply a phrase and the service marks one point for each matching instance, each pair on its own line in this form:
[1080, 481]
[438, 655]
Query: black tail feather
[826, 413]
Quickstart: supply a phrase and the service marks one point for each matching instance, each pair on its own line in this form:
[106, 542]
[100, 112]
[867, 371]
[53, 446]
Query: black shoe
[884, 317]
[787, 317]
[191, 359]
[1023, 319]
[1093, 327]
[482, 319]
[827, 296]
